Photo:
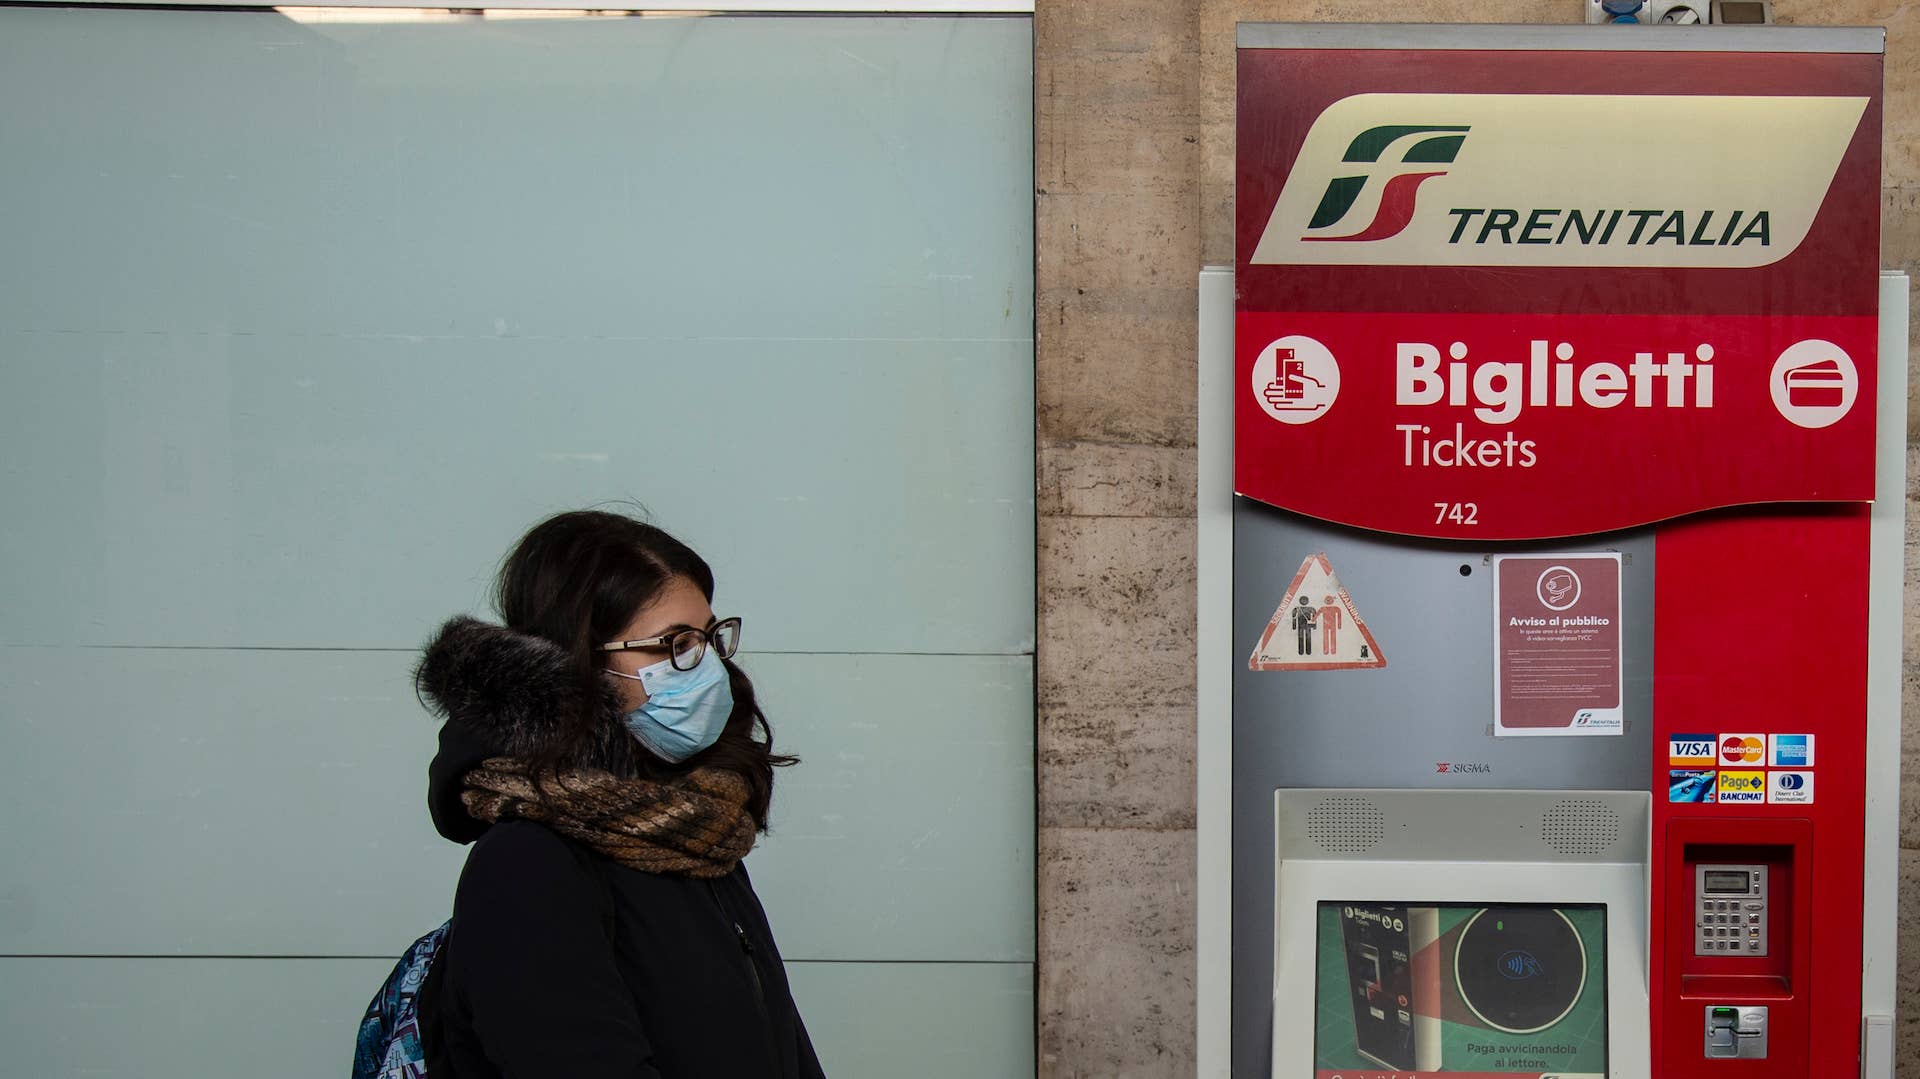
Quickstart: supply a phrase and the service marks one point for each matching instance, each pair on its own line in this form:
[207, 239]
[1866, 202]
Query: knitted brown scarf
[694, 826]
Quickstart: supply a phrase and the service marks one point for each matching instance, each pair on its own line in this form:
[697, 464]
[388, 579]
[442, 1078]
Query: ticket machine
[1552, 432]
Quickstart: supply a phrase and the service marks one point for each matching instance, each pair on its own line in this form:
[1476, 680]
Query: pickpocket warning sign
[1316, 627]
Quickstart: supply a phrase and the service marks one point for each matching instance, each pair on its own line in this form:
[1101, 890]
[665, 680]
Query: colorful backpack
[389, 1043]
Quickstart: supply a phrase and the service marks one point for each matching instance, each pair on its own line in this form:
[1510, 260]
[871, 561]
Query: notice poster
[1556, 645]
[1404, 991]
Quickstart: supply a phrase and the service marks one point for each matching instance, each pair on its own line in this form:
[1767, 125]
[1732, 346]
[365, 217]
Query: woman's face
[680, 605]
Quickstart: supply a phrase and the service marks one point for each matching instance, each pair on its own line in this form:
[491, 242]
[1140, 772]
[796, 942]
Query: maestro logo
[1410, 152]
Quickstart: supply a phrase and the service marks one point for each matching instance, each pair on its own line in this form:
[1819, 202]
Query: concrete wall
[1133, 171]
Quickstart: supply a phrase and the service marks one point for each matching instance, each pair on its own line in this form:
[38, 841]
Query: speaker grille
[1580, 826]
[1345, 825]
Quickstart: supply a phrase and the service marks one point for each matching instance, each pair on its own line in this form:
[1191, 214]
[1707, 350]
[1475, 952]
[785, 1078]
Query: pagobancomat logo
[1735, 787]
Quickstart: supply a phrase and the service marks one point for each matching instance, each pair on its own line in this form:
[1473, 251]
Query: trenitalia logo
[1558, 180]
[1418, 149]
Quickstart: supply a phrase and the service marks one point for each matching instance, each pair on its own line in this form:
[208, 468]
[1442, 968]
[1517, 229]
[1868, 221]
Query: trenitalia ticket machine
[1552, 465]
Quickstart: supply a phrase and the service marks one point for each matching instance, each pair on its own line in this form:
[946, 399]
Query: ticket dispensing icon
[1295, 379]
[1292, 388]
[1820, 384]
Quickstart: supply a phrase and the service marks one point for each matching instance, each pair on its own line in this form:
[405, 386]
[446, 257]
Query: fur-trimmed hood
[502, 694]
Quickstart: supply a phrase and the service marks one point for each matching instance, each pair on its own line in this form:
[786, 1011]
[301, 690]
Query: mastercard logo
[1742, 749]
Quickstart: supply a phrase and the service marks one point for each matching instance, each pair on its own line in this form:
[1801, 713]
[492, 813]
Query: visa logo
[1685, 749]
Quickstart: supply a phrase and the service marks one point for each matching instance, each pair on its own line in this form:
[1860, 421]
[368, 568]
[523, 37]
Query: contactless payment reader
[1551, 559]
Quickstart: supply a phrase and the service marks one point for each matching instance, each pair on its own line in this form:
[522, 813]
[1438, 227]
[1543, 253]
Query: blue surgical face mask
[686, 711]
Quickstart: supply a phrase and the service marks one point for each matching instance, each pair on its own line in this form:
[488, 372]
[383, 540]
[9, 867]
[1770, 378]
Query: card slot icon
[1820, 384]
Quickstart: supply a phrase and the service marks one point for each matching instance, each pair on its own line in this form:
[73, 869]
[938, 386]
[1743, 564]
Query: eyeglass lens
[690, 645]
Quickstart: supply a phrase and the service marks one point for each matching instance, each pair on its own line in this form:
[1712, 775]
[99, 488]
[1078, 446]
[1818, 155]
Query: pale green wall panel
[296, 492]
[918, 1021]
[296, 1018]
[302, 325]
[183, 1018]
[214, 802]
[203, 802]
[907, 830]
[241, 172]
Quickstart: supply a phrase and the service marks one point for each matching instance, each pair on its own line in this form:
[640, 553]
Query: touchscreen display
[1406, 990]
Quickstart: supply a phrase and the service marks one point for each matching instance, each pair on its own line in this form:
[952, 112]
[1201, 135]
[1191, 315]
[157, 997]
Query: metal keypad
[1729, 923]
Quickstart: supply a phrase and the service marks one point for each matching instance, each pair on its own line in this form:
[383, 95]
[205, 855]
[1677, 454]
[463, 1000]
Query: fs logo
[1413, 150]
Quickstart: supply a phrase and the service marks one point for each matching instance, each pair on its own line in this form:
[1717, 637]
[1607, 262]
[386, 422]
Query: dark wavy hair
[578, 579]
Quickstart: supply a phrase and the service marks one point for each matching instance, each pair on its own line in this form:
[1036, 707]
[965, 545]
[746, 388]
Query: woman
[610, 768]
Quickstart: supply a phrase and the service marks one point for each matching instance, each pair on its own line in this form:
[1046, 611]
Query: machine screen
[1501, 990]
[1720, 882]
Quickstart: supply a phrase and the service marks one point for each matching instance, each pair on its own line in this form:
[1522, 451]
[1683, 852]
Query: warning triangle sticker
[1316, 627]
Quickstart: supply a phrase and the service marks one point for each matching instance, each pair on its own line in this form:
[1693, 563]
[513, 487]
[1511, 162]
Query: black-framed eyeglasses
[687, 647]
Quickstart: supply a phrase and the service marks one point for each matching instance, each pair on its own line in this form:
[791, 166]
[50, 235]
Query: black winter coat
[562, 962]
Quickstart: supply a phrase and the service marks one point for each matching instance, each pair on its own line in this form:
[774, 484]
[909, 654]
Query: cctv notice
[1556, 654]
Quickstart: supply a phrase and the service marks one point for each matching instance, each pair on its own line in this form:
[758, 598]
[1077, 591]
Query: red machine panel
[1502, 295]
